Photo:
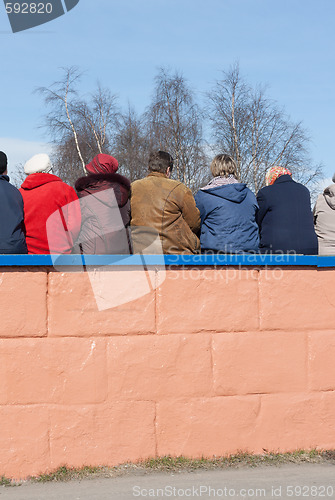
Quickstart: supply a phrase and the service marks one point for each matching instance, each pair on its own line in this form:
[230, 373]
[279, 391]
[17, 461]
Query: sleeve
[190, 212]
[125, 214]
[72, 214]
[200, 207]
[315, 211]
[262, 207]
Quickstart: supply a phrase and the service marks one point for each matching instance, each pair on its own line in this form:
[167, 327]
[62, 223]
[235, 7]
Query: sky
[286, 44]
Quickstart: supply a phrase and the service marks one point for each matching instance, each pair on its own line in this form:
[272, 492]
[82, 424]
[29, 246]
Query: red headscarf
[274, 172]
[102, 164]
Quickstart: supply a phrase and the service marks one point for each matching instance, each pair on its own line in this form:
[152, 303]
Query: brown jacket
[163, 211]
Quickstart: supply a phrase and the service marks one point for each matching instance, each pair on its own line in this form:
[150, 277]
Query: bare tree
[257, 133]
[17, 175]
[132, 145]
[174, 124]
[79, 128]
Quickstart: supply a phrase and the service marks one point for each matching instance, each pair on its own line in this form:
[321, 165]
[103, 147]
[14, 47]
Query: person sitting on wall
[228, 211]
[12, 239]
[52, 217]
[324, 220]
[105, 208]
[285, 218]
[164, 216]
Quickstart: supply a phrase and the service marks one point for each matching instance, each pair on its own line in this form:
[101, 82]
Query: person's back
[52, 216]
[105, 208]
[285, 217]
[164, 207]
[228, 211]
[12, 240]
[324, 220]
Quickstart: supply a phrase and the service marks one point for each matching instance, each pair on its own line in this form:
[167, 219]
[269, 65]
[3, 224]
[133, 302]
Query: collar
[157, 174]
[4, 178]
[283, 178]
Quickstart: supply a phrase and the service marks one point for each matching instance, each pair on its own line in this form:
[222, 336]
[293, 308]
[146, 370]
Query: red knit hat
[102, 164]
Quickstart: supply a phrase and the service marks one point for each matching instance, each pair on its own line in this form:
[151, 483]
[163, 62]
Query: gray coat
[324, 220]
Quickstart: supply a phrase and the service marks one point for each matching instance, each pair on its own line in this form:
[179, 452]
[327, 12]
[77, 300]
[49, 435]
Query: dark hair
[160, 162]
[3, 162]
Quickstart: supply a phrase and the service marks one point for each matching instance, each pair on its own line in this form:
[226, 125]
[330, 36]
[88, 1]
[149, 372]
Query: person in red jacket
[52, 217]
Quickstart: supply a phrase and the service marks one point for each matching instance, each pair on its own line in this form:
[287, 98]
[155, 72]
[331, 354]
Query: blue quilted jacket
[228, 219]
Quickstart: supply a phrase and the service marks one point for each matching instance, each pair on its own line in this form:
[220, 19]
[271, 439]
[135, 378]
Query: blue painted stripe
[168, 260]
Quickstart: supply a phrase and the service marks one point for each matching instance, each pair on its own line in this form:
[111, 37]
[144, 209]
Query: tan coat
[324, 220]
[163, 216]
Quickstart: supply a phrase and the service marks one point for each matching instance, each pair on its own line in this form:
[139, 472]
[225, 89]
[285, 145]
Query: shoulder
[12, 190]
[139, 182]
[65, 189]
[301, 187]
[179, 186]
[319, 201]
[178, 190]
[263, 193]
[299, 190]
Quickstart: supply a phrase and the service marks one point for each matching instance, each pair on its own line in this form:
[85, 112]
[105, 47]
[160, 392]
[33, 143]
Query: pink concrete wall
[212, 362]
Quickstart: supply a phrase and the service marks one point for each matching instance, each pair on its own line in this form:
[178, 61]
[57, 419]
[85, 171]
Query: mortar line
[259, 299]
[155, 430]
[156, 302]
[212, 363]
[47, 304]
[307, 364]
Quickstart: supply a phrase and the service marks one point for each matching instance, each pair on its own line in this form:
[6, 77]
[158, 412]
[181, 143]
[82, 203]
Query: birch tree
[79, 127]
[132, 145]
[257, 132]
[174, 122]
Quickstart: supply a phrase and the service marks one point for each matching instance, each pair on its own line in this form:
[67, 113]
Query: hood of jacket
[36, 180]
[95, 183]
[231, 192]
[329, 194]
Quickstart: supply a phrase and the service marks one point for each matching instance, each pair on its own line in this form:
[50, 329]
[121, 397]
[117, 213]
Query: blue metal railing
[167, 260]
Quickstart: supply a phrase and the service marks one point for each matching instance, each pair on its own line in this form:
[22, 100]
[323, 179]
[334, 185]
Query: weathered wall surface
[207, 362]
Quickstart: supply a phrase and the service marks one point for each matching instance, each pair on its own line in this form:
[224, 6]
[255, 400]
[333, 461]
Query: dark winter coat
[285, 218]
[105, 208]
[51, 214]
[228, 219]
[12, 240]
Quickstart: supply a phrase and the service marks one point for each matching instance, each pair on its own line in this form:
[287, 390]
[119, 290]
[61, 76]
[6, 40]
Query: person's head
[223, 165]
[102, 164]
[3, 163]
[274, 173]
[162, 162]
[38, 164]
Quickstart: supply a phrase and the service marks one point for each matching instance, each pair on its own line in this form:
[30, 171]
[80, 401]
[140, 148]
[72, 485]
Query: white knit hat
[38, 164]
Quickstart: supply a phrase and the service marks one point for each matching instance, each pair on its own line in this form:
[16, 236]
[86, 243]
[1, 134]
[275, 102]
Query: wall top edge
[167, 260]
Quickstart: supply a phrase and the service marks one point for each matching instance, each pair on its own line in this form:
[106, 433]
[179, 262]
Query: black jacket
[285, 218]
[12, 239]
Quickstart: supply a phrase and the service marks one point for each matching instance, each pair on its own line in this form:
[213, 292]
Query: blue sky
[287, 44]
